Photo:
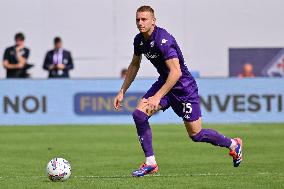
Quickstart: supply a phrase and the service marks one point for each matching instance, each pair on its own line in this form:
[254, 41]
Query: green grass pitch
[104, 156]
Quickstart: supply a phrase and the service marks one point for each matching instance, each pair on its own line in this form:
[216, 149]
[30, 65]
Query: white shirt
[58, 56]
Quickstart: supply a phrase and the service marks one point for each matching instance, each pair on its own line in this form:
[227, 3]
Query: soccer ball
[58, 169]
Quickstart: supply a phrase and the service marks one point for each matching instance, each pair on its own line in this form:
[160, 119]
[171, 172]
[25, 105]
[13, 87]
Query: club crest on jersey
[152, 44]
[164, 41]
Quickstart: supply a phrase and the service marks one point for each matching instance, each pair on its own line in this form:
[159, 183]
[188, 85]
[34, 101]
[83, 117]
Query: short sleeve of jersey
[136, 44]
[6, 54]
[168, 48]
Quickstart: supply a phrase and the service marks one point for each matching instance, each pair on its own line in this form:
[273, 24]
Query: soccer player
[174, 88]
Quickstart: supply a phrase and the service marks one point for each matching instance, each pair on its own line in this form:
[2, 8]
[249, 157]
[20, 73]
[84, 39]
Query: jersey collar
[153, 35]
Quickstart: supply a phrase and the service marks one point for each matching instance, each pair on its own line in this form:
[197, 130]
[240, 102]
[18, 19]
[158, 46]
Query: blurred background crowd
[232, 40]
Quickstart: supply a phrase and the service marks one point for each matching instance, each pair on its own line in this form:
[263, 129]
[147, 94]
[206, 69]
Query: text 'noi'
[27, 104]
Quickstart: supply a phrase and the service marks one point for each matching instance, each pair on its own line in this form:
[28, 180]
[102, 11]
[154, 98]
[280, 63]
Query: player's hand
[153, 102]
[117, 100]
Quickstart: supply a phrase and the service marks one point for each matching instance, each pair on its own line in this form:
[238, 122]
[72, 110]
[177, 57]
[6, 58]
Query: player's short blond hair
[146, 8]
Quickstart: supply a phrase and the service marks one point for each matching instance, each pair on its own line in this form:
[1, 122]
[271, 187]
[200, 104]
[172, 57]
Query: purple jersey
[160, 47]
[183, 97]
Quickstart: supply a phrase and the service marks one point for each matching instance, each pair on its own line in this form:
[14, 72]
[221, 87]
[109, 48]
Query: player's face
[145, 21]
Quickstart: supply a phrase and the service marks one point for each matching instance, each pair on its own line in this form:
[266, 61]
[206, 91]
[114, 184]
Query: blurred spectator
[247, 71]
[15, 58]
[58, 61]
[123, 73]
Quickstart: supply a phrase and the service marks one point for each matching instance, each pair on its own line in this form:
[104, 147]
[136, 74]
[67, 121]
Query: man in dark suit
[58, 61]
[15, 58]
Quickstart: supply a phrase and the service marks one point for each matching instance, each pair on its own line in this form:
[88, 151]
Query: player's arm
[131, 73]
[174, 75]
[130, 76]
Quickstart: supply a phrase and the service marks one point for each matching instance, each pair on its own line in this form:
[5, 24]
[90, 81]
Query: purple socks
[212, 137]
[145, 134]
[144, 131]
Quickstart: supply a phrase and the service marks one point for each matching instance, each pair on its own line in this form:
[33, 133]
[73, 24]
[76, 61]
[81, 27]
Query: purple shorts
[184, 101]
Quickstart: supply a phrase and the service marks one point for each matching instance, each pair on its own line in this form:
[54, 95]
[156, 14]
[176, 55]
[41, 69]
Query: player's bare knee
[140, 109]
[195, 135]
[193, 129]
[142, 105]
[192, 133]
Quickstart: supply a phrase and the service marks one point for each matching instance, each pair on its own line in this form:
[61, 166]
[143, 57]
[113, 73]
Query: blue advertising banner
[45, 102]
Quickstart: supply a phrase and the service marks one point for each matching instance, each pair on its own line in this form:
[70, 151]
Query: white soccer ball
[58, 169]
